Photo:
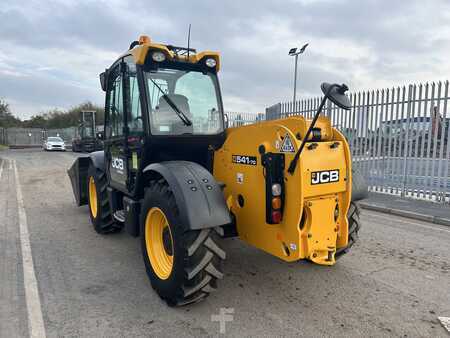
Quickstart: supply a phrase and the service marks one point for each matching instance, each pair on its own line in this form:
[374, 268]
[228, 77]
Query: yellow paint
[161, 261]
[286, 240]
[92, 197]
[146, 45]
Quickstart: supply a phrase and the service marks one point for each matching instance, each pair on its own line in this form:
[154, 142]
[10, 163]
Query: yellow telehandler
[173, 174]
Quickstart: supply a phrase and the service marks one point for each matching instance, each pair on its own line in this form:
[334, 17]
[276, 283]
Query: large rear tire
[354, 224]
[183, 265]
[99, 209]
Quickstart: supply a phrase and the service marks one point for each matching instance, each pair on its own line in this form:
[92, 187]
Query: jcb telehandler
[172, 173]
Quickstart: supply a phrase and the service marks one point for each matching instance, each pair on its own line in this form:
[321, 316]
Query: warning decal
[287, 146]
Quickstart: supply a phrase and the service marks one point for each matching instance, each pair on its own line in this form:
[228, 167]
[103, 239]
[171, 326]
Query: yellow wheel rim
[159, 242]
[92, 197]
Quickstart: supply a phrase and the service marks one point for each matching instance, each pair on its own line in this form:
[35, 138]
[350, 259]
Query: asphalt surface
[395, 282]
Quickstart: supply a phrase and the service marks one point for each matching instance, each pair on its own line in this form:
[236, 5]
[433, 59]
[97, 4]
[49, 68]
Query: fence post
[406, 140]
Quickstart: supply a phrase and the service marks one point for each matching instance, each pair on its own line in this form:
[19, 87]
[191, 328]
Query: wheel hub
[159, 243]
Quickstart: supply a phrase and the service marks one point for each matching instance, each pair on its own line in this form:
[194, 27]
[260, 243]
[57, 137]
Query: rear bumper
[57, 148]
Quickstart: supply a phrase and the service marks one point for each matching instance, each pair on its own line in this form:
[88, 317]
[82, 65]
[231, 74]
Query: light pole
[296, 52]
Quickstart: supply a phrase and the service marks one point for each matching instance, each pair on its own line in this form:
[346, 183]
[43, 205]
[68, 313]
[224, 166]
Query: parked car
[54, 143]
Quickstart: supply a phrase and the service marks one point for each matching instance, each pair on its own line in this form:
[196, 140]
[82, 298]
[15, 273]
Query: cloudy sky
[52, 51]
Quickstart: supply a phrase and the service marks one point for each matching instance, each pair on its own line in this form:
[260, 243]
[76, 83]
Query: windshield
[55, 139]
[183, 102]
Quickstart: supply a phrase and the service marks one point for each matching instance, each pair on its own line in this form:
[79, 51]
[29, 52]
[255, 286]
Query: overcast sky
[52, 51]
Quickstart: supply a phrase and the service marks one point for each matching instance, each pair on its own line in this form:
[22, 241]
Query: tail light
[274, 173]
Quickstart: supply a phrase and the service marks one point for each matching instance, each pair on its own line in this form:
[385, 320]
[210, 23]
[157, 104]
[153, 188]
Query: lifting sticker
[287, 146]
[240, 178]
[244, 159]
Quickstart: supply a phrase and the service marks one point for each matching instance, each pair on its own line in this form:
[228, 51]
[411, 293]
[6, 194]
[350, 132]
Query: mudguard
[360, 189]
[197, 193]
[78, 174]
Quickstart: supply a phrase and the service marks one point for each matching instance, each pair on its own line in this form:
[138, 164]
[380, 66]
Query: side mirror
[336, 94]
[100, 135]
[104, 79]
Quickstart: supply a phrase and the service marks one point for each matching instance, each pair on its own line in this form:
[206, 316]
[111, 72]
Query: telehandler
[173, 174]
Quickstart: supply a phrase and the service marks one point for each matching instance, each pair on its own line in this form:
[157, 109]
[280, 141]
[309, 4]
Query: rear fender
[78, 173]
[197, 193]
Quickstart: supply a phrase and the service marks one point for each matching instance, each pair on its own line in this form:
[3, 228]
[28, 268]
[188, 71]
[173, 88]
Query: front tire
[99, 209]
[183, 265]
[354, 224]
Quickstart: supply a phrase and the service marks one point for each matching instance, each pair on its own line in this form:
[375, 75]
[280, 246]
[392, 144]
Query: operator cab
[162, 103]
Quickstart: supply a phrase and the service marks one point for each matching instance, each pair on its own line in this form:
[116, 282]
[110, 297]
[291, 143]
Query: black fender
[78, 173]
[197, 193]
[360, 188]
[98, 159]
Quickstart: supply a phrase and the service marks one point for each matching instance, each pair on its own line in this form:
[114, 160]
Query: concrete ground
[395, 282]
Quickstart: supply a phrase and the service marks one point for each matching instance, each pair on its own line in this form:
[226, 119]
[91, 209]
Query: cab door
[114, 143]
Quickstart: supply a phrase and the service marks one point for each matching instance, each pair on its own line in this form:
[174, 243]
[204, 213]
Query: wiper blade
[172, 105]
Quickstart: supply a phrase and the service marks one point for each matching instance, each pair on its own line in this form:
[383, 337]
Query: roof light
[144, 39]
[158, 56]
[210, 62]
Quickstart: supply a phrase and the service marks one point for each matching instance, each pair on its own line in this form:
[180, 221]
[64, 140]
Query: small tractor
[86, 140]
[172, 174]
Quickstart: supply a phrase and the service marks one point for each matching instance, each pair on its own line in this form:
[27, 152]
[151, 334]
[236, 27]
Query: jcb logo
[117, 163]
[326, 176]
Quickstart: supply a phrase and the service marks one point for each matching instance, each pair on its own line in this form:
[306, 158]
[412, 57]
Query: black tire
[103, 221]
[354, 224]
[197, 258]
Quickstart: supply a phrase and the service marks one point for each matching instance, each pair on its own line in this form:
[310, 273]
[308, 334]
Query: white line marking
[11, 165]
[1, 169]
[445, 321]
[407, 222]
[35, 320]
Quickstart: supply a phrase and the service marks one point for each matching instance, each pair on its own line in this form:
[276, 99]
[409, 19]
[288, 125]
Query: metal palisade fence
[233, 119]
[399, 137]
[33, 136]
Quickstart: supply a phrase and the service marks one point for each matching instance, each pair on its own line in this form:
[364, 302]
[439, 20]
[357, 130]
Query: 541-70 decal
[244, 159]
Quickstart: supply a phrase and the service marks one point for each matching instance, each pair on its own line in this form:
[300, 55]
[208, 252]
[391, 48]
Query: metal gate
[399, 137]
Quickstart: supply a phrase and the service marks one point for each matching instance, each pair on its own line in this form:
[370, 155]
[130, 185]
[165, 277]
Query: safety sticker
[287, 146]
[240, 178]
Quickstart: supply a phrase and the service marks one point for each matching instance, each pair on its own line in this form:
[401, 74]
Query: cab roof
[140, 49]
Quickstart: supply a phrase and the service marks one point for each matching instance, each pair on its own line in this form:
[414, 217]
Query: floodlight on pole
[296, 52]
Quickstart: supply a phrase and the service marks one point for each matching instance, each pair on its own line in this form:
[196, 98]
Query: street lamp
[296, 52]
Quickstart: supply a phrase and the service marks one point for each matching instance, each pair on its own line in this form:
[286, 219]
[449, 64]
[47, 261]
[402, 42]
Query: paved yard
[396, 282]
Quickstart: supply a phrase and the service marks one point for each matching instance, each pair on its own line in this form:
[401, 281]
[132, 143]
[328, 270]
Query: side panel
[197, 193]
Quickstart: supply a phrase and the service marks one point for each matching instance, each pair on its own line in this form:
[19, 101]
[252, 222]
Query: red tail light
[276, 216]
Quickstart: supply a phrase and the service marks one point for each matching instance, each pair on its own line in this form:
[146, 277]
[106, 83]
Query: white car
[54, 143]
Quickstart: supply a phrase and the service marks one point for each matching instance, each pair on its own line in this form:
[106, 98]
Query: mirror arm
[294, 161]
